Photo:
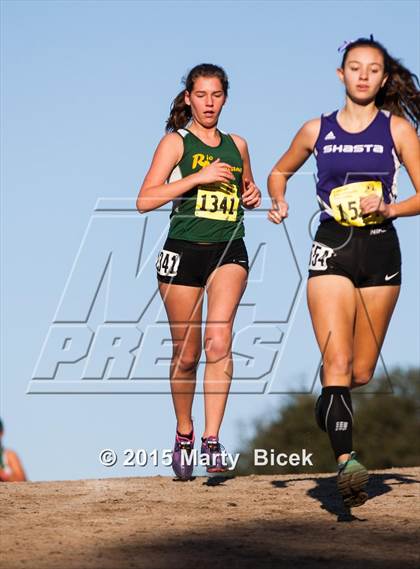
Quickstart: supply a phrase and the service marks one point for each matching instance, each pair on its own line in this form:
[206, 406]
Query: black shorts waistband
[207, 246]
[333, 224]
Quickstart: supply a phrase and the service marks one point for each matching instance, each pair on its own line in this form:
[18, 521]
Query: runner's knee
[337, 364]
[217, 345]
[186, 360]
[361, 375]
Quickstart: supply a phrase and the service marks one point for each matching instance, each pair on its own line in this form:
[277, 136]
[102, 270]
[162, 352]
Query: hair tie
[345, 45]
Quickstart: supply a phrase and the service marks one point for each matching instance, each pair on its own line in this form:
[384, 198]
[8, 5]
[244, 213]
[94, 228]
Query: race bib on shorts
[217, 201]
[319, 256]
[167, 263]
[345, 203]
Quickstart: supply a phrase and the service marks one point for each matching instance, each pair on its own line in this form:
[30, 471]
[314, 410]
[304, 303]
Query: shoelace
[215, 446]
[184, 445]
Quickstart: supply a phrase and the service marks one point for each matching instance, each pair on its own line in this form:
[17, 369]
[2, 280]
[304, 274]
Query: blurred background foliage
[386, 433]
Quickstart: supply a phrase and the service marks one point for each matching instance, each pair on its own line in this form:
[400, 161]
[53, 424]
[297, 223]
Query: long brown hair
[400, 94]
[180, 114]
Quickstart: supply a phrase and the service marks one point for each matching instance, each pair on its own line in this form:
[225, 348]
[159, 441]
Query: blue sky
[85, 92]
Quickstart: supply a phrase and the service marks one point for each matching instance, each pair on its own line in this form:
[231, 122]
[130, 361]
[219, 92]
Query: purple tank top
[344, 158]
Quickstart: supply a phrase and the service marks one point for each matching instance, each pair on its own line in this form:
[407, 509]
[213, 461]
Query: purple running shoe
[217, 456]
[182, 457]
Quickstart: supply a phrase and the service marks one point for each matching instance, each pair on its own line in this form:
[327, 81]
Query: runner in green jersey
[208, 212]
[207, 175]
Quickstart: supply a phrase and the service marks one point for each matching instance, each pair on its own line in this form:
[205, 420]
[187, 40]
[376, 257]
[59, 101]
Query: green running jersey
[212, 212]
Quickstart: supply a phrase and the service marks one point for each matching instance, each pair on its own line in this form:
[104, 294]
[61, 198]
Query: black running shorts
[368, 256]
[188, 263]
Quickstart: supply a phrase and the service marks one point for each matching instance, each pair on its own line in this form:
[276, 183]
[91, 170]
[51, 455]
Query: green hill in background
[386, 432]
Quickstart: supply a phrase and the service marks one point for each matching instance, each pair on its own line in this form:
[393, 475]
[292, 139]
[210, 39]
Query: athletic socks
[335, 414]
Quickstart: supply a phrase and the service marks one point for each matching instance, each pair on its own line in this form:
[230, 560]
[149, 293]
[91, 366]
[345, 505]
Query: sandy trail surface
[252, 522]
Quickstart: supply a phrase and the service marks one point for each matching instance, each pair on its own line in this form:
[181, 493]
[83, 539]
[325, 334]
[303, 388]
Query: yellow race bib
[345, 203]
[217, 201]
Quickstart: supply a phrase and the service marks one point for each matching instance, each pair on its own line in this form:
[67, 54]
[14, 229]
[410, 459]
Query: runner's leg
[225, 287]
[332, 305]
[374, 308]
[183, 306]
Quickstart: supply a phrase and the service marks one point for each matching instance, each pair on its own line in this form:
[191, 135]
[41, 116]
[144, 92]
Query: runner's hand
[374, 204]
[278, 211]
[251, 197]
[216, 172]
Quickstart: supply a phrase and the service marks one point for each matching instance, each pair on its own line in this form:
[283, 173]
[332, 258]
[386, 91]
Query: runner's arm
[155, 192]
[251, 195]
[408, 146]
[295, 156]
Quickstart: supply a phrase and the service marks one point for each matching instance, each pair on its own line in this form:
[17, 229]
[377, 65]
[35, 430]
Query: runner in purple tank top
[355, 262]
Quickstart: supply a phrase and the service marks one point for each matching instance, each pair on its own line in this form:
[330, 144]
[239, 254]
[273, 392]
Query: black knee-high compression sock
[335, 414]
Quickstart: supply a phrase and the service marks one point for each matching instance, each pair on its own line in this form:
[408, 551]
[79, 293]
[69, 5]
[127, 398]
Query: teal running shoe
[352, 479]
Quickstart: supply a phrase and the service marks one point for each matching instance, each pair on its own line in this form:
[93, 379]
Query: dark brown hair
[400, 94]
[180, 113]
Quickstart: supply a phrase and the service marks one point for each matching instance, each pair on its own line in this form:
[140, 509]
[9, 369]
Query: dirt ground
[252, 522]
